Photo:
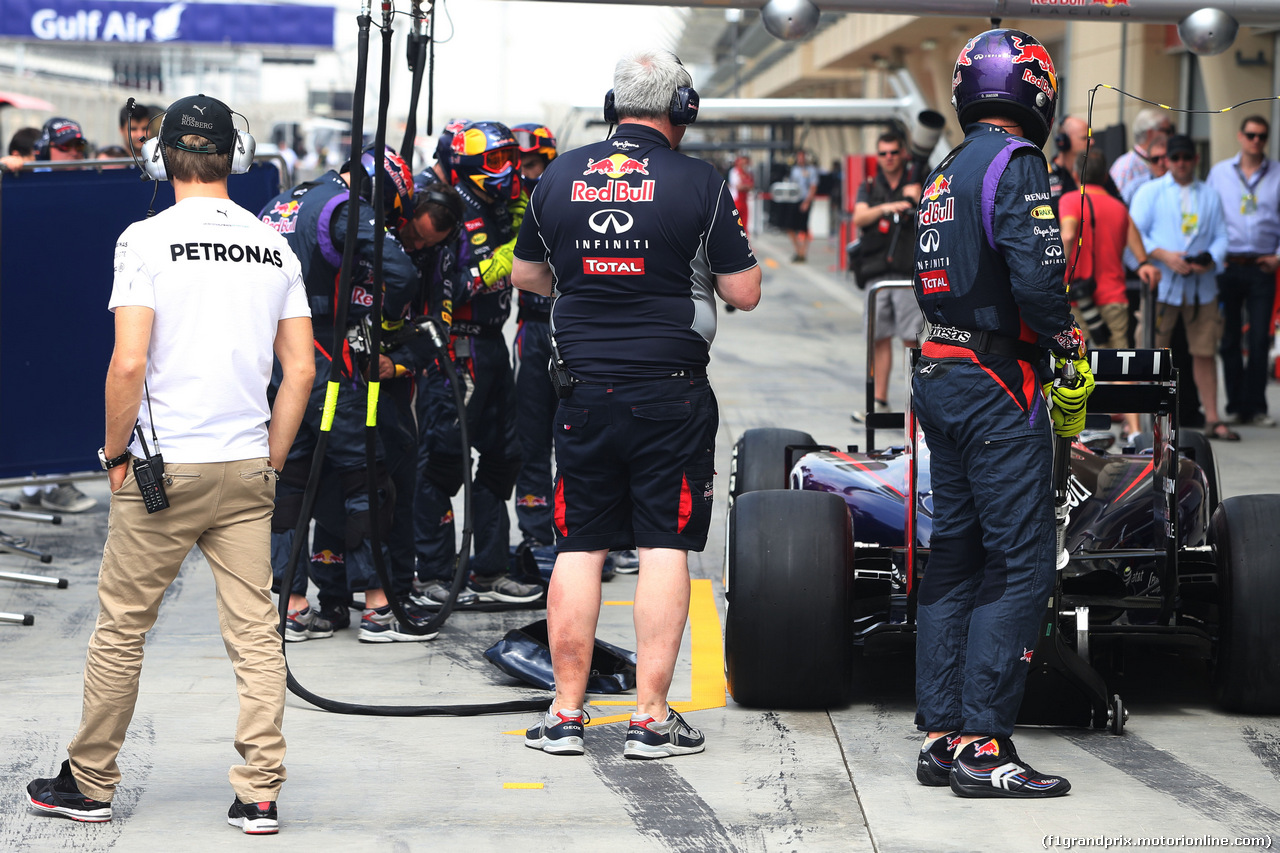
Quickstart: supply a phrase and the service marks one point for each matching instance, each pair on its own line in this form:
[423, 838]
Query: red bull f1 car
[826, 549]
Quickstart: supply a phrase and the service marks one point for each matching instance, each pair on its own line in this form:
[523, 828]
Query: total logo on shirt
[613, 266]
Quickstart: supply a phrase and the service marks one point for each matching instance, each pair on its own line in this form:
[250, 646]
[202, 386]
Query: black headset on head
[451, 202]
[682, 112]
[1061, 139]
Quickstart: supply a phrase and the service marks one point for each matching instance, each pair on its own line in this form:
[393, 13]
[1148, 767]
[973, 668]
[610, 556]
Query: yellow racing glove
[498, 266]
[1067, 399]
[517, 209]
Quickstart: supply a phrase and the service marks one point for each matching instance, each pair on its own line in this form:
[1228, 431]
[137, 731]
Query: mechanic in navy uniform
[313, 218]
[992, 291]
[476, 302]
[535, 396]
[633, 241]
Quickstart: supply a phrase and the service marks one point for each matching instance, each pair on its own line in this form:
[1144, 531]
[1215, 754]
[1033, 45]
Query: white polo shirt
[219, 281]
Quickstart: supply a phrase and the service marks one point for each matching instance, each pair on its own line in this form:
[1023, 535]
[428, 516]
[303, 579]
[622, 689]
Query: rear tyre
[760, 460]
[1246, 533]
[788, 639]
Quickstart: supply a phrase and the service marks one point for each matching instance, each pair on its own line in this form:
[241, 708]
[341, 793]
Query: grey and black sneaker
[933, 767]
[381, 626]
[626, 562]
[504, 590]
[254, 818]
[433, 594]
[66, 498]
[60, 795]
[648, 738]
[306, 624]
[990, 767]
[559, 732]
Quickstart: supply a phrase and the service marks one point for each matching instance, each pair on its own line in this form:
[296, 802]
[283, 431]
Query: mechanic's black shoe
[559, 733]
[504, 590]
[648, 738]
[933, 767]
[61, 795]
[254, 818]
[990, 767]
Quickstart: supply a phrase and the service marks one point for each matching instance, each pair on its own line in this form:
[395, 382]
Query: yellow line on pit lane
[707, 687]
[524, 786]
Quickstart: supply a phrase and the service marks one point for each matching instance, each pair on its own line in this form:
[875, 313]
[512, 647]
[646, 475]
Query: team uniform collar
[641, 131]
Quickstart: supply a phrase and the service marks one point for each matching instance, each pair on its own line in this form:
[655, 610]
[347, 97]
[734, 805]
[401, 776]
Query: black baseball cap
[1179, 144]
[203, 116]
[64, 131]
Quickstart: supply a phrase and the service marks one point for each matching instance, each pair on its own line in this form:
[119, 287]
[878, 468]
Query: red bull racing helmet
[485, 154]
[535, 139]
[397, 184]
[444, 144]
[1007, 73]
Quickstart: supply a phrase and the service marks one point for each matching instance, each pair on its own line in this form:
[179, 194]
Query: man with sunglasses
[1182, 226]
[885, 211]
[1134, 168]
[1249, 186]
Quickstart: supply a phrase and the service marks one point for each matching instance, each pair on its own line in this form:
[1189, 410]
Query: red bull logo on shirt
[940, 185]
[612, 191]
[531, 500]
[617, 165]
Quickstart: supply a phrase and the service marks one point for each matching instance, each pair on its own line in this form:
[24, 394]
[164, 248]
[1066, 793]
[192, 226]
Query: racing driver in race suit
[992, 292]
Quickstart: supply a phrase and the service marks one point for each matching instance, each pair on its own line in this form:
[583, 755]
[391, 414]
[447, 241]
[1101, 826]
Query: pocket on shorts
[568, 417]
[678, 410]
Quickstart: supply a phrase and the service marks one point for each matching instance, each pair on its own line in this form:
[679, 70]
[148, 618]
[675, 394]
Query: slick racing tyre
[760, 460]
[1246, 533]
[788, 638]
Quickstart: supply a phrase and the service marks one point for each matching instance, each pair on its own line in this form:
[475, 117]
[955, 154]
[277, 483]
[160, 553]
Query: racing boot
[933, 767]
[990, 767]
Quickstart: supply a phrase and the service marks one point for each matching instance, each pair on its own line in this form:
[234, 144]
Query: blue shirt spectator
[1184, 219]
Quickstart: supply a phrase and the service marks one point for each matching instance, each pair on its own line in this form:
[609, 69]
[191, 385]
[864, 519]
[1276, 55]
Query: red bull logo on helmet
[963, 58]
[616, 166]
[1038, 54]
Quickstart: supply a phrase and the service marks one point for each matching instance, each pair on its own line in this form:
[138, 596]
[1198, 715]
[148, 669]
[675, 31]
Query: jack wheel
[1119, 716]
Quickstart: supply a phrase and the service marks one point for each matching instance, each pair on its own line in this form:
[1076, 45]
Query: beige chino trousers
[225, 509]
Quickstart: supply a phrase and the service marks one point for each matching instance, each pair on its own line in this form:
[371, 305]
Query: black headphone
[1061, 140]
[451, 202]
[682, 112]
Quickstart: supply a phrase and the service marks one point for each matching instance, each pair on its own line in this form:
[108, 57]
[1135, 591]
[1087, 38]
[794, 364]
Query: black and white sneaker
[60, 795]
[648, 738]
[254, 818]
[504, 590]
[990, 767]
[625, 562]
[433, 595]
[559, 733]
[933, 767]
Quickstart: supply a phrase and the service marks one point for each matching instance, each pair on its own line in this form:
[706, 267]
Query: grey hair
[1147, 121]
[645, 81]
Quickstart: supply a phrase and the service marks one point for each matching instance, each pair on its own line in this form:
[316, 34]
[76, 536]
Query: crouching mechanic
[313, 218]
[204, 294]
[993, 292]
[631, 329]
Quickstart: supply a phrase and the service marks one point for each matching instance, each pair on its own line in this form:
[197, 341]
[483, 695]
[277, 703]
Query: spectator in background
[1249, 186]
[61, 139]
[133, 127]
[112, 152]
[885, 211]
[805, 176]
[1134, 168]
[741, 183]
[1098, 256]
[1070, 141]
[22, 148]
[1181, 222]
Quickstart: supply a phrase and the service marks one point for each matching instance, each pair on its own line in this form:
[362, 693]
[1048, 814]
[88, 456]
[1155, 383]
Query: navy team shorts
[635, 463]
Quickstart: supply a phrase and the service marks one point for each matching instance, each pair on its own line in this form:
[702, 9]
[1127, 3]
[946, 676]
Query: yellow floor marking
[707, 687]
[771, 263]
[619, 603]
[523, 785]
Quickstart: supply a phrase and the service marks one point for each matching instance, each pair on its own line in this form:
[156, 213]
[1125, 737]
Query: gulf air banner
[130, 22]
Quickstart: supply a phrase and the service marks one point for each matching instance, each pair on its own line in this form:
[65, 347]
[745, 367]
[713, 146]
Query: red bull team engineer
[991, 288]
[633, 241]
